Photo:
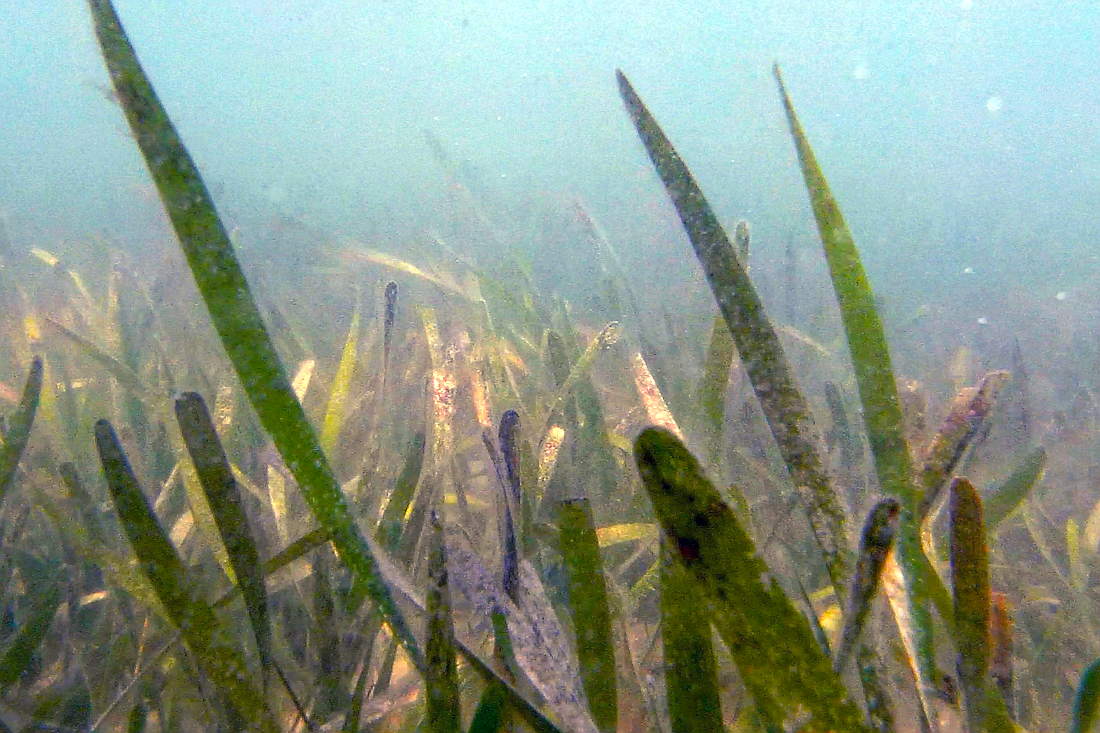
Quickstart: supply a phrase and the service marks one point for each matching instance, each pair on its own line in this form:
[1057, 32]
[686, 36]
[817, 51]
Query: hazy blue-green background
[956, 134]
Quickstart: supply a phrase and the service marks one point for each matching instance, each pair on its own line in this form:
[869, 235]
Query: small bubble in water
[1062, 295]
[983, 321]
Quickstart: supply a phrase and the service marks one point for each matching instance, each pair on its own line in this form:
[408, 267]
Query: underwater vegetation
[458, 523]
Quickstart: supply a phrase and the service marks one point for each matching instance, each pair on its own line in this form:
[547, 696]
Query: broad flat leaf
[771, 643]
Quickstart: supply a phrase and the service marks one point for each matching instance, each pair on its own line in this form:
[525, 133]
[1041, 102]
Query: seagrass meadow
[386, 495]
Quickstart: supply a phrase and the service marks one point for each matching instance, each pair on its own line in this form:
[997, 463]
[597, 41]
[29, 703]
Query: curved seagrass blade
[878, 395]
[770, 641]
[441, 682]
[189, 613]
[224, 497]
[18, 428]
[874, 545]
[965, 423]
[235, 315]
[762, 355]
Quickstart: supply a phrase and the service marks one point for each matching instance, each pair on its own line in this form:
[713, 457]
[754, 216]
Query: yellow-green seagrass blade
[233, 311]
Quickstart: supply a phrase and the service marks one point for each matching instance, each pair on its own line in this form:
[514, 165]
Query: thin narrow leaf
[18, 427]
[960, 429]
[190, 614]
[878, 393]
[389, 528]
[224, 497]
[509, 436]
[866, 336]
[441, 680]
[341, 386]
[588, 603]
[607, 336]
[874, 545]
[326, 640]
[389, 316]
[234, 313]
[691, 672]
[653, 401]
[618, 533]
[712, 387]
[276, 493]
[1006, 497]
[762, 354]
[769, 640]
[970, 582]
[1000, 663]
[18, 655]
[874, 692]
[125, 376]
[912, 636]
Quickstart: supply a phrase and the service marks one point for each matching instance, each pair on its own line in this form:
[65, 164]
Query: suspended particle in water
[983, 321]
[994, 104]
[1062, 295]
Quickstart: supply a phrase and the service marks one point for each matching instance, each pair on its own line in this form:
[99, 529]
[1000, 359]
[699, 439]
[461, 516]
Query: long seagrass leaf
[234, 313]
[769, 640]
[125, 376]
[18, 429]
[866, 337]
[970, 582]
[580, 549]
[19, 652]
[960, 429]
[712, 387]
[188, 612]
[441, 681]
[341, 386]
[762, 354]
[1007, 496]
[878, 394]
[874, 545]
[224, 497]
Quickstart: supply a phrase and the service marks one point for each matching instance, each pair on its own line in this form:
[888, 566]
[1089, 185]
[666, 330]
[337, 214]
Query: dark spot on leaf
[701, 520]
[688, 547]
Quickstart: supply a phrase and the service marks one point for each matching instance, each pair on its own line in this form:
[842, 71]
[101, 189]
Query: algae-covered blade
[233, 311]
[188, 612]
[762, 355]
[224, 496]
[970, 582]
[769, 640]
[874, 545]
